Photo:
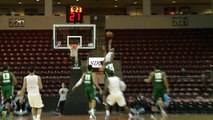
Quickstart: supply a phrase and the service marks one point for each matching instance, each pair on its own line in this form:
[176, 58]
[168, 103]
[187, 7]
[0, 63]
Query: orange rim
[74, 45]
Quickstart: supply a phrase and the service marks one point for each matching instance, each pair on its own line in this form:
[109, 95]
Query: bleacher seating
[22, 48]
[173, 49]
[138, 49]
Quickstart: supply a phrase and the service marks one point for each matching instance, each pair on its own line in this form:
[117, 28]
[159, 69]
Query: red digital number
[72, 17]
[75, 14]
[79, 16]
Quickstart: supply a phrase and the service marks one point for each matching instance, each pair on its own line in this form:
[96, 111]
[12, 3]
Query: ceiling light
[77, 0]
[37, 0]
[135, 2]
[19, 2]
[173, 1]
[115, 6]
[116, 0]
[59, 2]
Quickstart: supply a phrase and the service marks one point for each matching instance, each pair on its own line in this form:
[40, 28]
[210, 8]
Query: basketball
[109, 35]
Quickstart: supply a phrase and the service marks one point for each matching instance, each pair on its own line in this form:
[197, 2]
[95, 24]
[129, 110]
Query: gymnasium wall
[129, 9]
[159, 22]
[36, 22]
[118, 21]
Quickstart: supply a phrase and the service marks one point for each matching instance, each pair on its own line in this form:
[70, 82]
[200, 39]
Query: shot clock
[74, 14]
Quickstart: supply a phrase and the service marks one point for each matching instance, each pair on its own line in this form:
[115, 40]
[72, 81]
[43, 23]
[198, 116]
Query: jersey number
[6, 77]
[87, 77]
[158, 77]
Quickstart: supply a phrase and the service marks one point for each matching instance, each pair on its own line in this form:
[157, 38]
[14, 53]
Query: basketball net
[74, 50]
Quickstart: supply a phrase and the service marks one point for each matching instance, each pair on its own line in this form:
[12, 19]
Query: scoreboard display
[74, 14]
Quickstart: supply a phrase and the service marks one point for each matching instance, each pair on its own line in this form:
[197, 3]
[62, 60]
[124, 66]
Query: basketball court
[38, 34]
[84, 36]
[52, 116]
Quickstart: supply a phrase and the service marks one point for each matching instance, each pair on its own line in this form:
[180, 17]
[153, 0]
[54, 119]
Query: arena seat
[173, 49]
[21, 48]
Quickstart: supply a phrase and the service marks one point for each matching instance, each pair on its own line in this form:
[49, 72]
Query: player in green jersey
[89, 81]
[160, 85]
[7, 82]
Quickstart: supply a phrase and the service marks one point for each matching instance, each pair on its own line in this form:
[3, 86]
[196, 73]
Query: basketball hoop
[74, 46]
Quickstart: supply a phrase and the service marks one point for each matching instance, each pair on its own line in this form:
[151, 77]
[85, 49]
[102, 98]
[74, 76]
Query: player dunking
[107, 64]
[89, 80]
[109, 57]
[7, 82]
[160, 86]
[33, 83]
[115, 86]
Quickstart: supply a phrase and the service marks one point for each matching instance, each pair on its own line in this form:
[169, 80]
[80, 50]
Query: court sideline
[53, 116]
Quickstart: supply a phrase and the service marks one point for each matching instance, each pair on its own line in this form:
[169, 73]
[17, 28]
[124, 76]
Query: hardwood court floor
[120, 117]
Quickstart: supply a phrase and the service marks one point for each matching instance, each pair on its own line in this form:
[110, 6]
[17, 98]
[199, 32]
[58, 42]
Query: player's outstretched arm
[78, 83]
[110, 44]
[104, 50]
[149, 79]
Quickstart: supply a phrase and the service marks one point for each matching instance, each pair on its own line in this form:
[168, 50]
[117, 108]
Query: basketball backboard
[82, 34]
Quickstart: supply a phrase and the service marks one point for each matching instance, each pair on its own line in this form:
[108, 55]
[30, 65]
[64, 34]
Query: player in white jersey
[109, 60]
[109, 57]
[33, 85]
[115, 86]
